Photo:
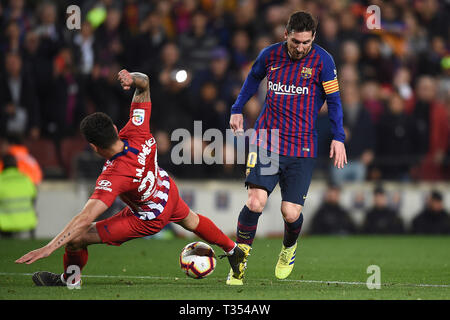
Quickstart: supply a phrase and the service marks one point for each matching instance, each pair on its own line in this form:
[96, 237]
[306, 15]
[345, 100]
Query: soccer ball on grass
[197, 260]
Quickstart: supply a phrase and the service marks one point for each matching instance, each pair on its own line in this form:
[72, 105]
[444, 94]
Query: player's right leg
[76, 254]
[246, 229]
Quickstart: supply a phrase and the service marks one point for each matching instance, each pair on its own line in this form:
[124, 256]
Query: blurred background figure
[433, 219]
[19, 109]
[17, 200]
[331, 217]
[381, 219]
[394, 147]
[26, 163]
[359, 141]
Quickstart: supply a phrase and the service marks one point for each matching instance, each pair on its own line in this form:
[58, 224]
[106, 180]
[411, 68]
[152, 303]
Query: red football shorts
[124, 225]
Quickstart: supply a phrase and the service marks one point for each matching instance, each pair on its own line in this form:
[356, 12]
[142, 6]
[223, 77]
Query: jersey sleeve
[251, 84]
[329, 81]
[139, 120]
[108, 187]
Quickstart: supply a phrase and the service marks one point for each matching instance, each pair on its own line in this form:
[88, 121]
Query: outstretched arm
[139, 80]
[77, 226]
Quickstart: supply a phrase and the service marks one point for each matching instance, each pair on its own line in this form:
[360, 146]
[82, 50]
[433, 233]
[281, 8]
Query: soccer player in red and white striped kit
[131, 172]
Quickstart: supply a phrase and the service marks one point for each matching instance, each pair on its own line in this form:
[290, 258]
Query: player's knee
[256, 204]
[76, 244]
[291, 213]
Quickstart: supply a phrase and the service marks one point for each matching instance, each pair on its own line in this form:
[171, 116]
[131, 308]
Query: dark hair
[9, 161]
[301, 21]
[436, 195]
[98, 129]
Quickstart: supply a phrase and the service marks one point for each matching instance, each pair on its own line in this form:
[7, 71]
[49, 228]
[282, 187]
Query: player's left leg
[293, 220]
[76, 254]
[294, 184]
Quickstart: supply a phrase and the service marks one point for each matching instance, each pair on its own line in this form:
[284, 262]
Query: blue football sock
[247, 224]
[292, 231]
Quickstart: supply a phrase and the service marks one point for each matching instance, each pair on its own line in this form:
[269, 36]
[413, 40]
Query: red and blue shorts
[125, 225]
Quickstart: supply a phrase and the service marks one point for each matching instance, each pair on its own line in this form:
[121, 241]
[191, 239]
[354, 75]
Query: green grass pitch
[327, 268]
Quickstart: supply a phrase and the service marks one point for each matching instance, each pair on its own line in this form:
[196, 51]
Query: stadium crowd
[394, 81]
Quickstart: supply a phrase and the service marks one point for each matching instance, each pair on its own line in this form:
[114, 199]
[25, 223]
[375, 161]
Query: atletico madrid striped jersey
[296, 90]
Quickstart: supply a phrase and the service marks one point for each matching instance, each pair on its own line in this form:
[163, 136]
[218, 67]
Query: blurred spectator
[381, 219]
[331, 218]
[19, 110]
[37, 63]
[433, 219]
[106, 94]
[350, 54]
[394, 146]
[431, 130]
[219, 74]
[433, 16]
[26, 163]
[348, 24]
[17, 199]
[197, 43]
[360, 138]
[83, 48]
[240, 49]
[371, 100]
[13, 41]
[429, 61]
[48, 28]
[170, 93]
[327, 34]
[16, 10]
[109, 40]
[148, 44]
[374, 66]
[65, 108]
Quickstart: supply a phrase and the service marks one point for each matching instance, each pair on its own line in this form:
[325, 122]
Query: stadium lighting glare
[181, 76]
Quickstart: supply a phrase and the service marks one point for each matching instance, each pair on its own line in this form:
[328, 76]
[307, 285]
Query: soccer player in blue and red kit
[301, 76]
[131, 172]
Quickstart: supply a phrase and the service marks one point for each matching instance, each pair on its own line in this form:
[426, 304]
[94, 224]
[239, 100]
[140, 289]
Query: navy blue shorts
[265, 169]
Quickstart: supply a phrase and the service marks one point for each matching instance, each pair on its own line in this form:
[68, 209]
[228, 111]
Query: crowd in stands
[394, 82]
[381, 217]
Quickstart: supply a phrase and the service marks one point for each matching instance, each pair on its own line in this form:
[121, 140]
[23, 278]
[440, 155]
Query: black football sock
[247, 224]
[292, 231]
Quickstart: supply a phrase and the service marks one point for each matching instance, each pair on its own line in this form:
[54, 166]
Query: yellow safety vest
[17, 192]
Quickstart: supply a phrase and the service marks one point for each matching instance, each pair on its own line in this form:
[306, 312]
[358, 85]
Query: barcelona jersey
[296, 90]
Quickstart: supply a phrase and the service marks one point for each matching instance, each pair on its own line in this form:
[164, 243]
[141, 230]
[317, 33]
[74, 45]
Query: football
[197, 260]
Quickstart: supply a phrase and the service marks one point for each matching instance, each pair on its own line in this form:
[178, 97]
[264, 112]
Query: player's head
[99, 130]
[299, 34]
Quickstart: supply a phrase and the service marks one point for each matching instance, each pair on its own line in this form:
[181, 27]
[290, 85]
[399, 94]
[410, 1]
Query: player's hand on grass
[125, 78]
[337, 150]
[237, 123]
[34, 255]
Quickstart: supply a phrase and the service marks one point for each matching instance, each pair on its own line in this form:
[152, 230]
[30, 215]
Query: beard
[294, 54]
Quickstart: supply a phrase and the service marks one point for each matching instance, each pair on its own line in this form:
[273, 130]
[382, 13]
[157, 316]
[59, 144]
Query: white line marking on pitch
[288, 280]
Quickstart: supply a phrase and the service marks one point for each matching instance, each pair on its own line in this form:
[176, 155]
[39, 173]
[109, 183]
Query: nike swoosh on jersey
[272, 68]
